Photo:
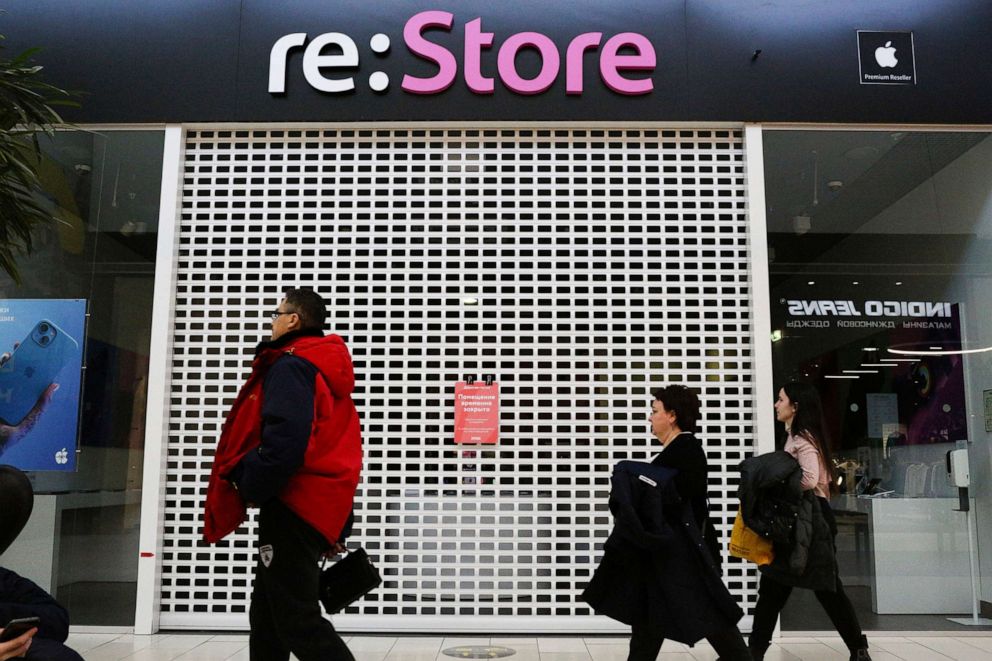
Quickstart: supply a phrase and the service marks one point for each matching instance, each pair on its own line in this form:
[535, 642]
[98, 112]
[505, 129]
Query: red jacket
[322, 490]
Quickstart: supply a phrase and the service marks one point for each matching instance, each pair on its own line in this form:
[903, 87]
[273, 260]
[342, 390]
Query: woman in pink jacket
[798, 408]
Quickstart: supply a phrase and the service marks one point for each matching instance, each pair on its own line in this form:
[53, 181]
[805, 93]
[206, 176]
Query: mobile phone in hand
[31, 368]
[18, 627]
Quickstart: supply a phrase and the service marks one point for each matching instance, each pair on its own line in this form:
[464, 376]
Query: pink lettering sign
[442, 57]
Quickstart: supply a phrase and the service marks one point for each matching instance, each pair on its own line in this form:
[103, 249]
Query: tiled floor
[210, 647]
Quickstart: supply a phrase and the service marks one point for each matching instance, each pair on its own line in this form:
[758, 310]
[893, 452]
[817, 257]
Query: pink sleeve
[809, 460]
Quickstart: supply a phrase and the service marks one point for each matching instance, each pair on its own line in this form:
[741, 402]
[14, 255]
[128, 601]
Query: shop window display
[880, 252]
[98, 258]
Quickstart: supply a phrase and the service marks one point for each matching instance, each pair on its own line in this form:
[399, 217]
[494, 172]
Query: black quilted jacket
[774, 505]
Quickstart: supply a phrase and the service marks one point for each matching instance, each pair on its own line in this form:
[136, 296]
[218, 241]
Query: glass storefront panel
[880, 251]
[82, 541]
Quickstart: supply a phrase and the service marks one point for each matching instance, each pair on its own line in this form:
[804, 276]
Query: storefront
[579, 207]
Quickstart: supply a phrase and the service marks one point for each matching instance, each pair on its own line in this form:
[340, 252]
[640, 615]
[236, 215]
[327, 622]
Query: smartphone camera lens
[44, 340]
[43, 328]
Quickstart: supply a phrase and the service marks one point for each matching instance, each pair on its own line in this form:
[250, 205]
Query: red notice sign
[476, 413]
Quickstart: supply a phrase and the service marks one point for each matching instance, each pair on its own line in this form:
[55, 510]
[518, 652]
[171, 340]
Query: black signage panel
[476, 60]
[807, 69]
[167, 60]
[886, 58]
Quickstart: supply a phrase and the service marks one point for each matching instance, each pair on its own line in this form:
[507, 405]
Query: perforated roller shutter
[604, 262]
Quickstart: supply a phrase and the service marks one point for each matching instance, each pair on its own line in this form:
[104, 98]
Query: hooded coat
[656, 570]
[774, 505]
[318, 486]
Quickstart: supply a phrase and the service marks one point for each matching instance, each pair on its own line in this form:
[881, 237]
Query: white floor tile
[108, 652]
[214, 650]
[607, 640]
[234, 647]
[981, 642]
[464, 641]
[230, 638]
[601, 652]
[884, 643]
[154, 654]
[87, 641]
[414, 656]
[417, 645]
[369, 655]
[371, 644]
[514, 642]
[953, 648]
[564, 656]
[776, 653]
[562, 646]
[813, 651]
[912, 652]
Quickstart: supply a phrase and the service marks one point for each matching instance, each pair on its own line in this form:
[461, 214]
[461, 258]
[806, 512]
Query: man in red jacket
[291, 446]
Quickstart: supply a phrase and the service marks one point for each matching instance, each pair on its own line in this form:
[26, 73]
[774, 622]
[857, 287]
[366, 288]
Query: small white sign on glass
[988, 410]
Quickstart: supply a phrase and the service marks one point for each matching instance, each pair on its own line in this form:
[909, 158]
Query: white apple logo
[886, 55]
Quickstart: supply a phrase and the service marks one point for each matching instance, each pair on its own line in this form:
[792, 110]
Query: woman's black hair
[681, 401]
[808, 421]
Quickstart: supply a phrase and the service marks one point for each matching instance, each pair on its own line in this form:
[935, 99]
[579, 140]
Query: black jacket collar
[287, 338]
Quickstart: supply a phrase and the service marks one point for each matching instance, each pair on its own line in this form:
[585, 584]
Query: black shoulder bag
[348, 580]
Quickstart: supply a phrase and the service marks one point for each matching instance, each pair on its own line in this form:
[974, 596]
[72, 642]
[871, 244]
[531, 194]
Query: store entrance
[880, 260]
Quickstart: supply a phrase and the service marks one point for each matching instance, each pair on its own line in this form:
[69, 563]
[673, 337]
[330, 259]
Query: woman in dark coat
[674, 412]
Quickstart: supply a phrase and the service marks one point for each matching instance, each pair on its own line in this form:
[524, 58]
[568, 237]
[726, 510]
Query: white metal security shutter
[604, 262]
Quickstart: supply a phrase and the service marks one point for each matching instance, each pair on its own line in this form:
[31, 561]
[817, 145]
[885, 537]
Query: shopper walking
[798, 408]
[660, 573]
[291, 446]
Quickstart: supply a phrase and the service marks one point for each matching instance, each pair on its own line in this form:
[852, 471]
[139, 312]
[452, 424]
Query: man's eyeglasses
[275, 315]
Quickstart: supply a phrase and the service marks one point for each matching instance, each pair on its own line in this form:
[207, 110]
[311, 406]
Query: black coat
[774, 505]
[20, 597]
[655, 570]
[685, 454]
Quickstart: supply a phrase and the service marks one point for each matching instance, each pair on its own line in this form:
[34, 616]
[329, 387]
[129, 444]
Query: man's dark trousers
[285, 613]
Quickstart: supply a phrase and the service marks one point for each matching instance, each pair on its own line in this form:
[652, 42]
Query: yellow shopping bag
[747, 544]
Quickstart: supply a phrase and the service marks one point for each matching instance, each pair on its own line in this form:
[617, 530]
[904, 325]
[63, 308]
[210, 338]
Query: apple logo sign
[886, 55]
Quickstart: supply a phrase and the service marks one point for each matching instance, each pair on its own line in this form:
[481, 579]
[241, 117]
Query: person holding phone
[18, 647]
[12, 433]
[46, 620]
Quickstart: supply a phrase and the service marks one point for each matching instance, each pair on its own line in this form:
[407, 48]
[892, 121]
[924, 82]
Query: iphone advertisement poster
[41, 350]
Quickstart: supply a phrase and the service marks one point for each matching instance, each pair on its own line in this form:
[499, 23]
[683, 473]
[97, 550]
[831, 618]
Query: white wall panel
[605, 262]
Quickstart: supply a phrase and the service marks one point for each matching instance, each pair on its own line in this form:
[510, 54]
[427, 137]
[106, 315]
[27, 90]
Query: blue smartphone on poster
[31, 368]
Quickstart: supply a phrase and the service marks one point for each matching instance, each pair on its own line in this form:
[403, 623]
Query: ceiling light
[861, 153]
[470, 301]
[840, 376]
[860, 371]
[878, 364]
[870, 349]
[855, 283]
[899, 283]
[811, 282]
[942, 352]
